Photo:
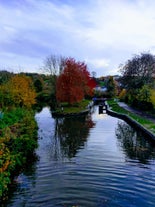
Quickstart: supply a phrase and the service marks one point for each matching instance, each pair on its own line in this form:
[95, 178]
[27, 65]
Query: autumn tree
[92, 84]
[152, 97]
[18, 91]
[122, 94]
[72, 84]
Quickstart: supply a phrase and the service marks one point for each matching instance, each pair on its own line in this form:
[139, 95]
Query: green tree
[111, 86]
[5, 76]
[144, 94]
[38, 85]
[138, 71]
[138, 78]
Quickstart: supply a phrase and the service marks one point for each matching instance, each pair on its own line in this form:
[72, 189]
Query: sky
[101, 33]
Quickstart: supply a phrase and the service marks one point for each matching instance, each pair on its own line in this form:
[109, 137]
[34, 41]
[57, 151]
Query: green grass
[143, 121]
[75, 108]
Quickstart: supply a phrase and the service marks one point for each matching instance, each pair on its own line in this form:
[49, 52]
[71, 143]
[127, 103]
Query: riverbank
[18, 139]
[138, 120]
[78, 109]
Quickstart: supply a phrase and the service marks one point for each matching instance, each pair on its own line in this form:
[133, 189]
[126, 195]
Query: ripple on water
[96, 169]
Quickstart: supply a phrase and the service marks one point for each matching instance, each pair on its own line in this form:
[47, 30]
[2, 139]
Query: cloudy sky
[103, 33]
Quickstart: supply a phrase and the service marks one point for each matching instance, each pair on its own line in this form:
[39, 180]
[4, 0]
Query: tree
[111, 86]
[38, 85]
[152, 96]
[138, 71]
[92, 84]
[5, 76]
[93, 74]
[72, 84]
[137, 76]
[18, 91]
[144, 94]
[122, 95]
[53, 66]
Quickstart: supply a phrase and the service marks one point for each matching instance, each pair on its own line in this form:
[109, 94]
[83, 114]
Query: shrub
[18, 139]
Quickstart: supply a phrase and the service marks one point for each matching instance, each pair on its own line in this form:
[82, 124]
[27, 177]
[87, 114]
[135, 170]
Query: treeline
[73, 84]
[137, 81]
[24, 89]
[67, 80]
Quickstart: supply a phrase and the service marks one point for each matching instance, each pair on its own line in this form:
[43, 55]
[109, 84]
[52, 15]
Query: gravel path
[136, 111]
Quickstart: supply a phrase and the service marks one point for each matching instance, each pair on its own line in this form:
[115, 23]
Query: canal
[91, 161]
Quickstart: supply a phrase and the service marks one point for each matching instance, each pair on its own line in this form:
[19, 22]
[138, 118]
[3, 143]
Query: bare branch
[54, 65]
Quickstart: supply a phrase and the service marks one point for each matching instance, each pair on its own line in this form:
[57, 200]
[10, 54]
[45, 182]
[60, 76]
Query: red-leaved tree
[92, 84]
[72, 84]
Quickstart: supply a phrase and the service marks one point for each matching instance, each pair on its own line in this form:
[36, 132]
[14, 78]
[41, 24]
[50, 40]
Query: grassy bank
[18, 139]
[143, 121]
[65, 108]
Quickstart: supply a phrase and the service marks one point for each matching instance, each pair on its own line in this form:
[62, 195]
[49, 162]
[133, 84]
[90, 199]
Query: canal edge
[132, 122]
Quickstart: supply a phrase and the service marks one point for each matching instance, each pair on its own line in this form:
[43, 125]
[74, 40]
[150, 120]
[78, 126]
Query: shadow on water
[21, 183]
[70, 134]
[134, 143]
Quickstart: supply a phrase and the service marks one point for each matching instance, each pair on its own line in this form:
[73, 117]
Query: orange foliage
[21, 90]
[5, 166]
[5, 159]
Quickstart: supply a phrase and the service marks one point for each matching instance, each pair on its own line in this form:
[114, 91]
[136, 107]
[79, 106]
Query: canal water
[91, 161]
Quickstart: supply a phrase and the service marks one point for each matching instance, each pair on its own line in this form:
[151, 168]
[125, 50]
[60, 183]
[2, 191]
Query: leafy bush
[18, 139]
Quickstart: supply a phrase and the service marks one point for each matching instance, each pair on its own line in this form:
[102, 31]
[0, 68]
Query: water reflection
[21, 184]
[70, 135]
[97, 176]
[134, 144]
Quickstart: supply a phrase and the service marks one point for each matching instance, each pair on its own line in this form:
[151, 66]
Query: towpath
[138, 112]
